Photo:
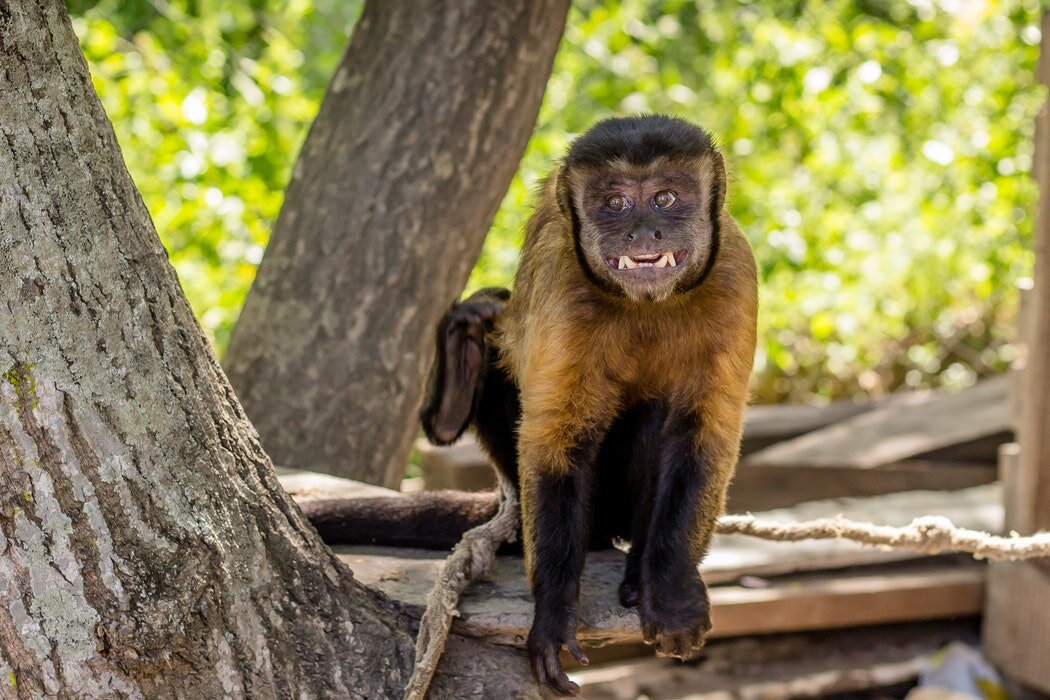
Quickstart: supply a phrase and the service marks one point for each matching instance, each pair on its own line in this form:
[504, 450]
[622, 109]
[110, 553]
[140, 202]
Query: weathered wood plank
[761, 487]
[813, 664]
[732, 556]
[1017, 633]
[927, 421]
[768, 424]
[500, 610]
[303, 485]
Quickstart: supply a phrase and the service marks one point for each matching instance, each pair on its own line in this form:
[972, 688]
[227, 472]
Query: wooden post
[1017, 612]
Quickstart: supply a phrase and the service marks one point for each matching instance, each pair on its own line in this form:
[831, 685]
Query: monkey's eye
[664, 199]
[617, 202]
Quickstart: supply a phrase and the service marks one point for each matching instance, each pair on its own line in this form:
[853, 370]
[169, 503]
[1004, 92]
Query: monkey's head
[643, 195]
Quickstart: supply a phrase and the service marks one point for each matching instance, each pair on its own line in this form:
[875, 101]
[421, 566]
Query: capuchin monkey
[610, 386]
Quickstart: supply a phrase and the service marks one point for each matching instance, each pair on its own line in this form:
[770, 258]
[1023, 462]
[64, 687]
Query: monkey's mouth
[667, 259]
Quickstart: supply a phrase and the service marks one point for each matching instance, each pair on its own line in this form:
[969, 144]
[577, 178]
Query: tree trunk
[146, 548]
[398, 181]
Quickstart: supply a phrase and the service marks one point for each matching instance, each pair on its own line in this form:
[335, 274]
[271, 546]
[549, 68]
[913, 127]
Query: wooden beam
[812, 664]
[758, 487]
[1034, 473]
[1017, 618]
[926, 422]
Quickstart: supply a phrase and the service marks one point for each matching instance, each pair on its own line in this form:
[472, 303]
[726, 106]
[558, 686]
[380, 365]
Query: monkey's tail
[427, 520]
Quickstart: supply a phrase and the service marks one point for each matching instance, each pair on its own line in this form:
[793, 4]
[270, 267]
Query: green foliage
[880, 154]
[211, 101]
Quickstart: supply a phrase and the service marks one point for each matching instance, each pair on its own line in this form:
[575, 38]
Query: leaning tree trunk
[398, 181]
[146, 549]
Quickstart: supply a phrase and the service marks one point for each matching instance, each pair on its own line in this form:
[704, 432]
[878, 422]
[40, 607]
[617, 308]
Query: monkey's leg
[696, 462]
[496, 418]
[627, 468]
[458, 375]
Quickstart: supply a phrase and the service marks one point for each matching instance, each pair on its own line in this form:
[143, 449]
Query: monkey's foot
[677, 624]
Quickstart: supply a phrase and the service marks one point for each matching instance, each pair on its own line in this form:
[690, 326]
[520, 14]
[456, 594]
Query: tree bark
[146, 548]
[399, 179]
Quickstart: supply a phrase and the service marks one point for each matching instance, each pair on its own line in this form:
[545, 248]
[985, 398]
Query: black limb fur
[561, 526]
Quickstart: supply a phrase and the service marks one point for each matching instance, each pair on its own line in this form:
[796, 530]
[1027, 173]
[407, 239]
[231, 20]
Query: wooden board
[925, 422]
[732, 556]
[761, 487]
[500, 610]
[812, 664]
[765, 425]
[303, 485]
[1017, 629]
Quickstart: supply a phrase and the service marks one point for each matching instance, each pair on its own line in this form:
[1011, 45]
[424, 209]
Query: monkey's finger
[577, 652]
[649, 634]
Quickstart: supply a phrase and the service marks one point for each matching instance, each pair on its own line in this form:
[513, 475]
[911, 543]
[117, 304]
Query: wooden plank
[303, 485]
[1017, 621]
[733, 556]
[500, 610]
[1017, 629]
[760, 487]
[848, 600]
[813, 664]
[769, 424]
[927, 421]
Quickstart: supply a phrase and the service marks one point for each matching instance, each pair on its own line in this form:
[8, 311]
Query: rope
[471, 559]
[473, 556]
[930, 534]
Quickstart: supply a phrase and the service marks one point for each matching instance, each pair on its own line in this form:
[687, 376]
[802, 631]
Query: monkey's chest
[650, 363]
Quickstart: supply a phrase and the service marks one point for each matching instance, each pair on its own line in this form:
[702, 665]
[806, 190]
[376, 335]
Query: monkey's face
[648, 231]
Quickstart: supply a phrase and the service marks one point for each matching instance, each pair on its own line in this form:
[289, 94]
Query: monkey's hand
[675, 618]
[458, 372]
[549, 633]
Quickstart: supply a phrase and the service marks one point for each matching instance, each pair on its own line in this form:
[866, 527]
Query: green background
[880, 156]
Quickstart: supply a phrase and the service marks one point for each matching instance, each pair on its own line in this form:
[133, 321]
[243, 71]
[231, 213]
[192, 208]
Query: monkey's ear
[718, 182]
[563, 193]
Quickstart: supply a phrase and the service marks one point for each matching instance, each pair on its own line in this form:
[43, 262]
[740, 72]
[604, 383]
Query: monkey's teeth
[626, 262]
[623, 262]
[662, 262]
[670, 260]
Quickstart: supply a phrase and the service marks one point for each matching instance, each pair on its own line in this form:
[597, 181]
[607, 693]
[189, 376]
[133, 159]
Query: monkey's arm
[562, 428]
[458, 374]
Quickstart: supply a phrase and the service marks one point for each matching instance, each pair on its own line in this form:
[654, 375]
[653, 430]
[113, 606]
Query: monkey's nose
[651, 233]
